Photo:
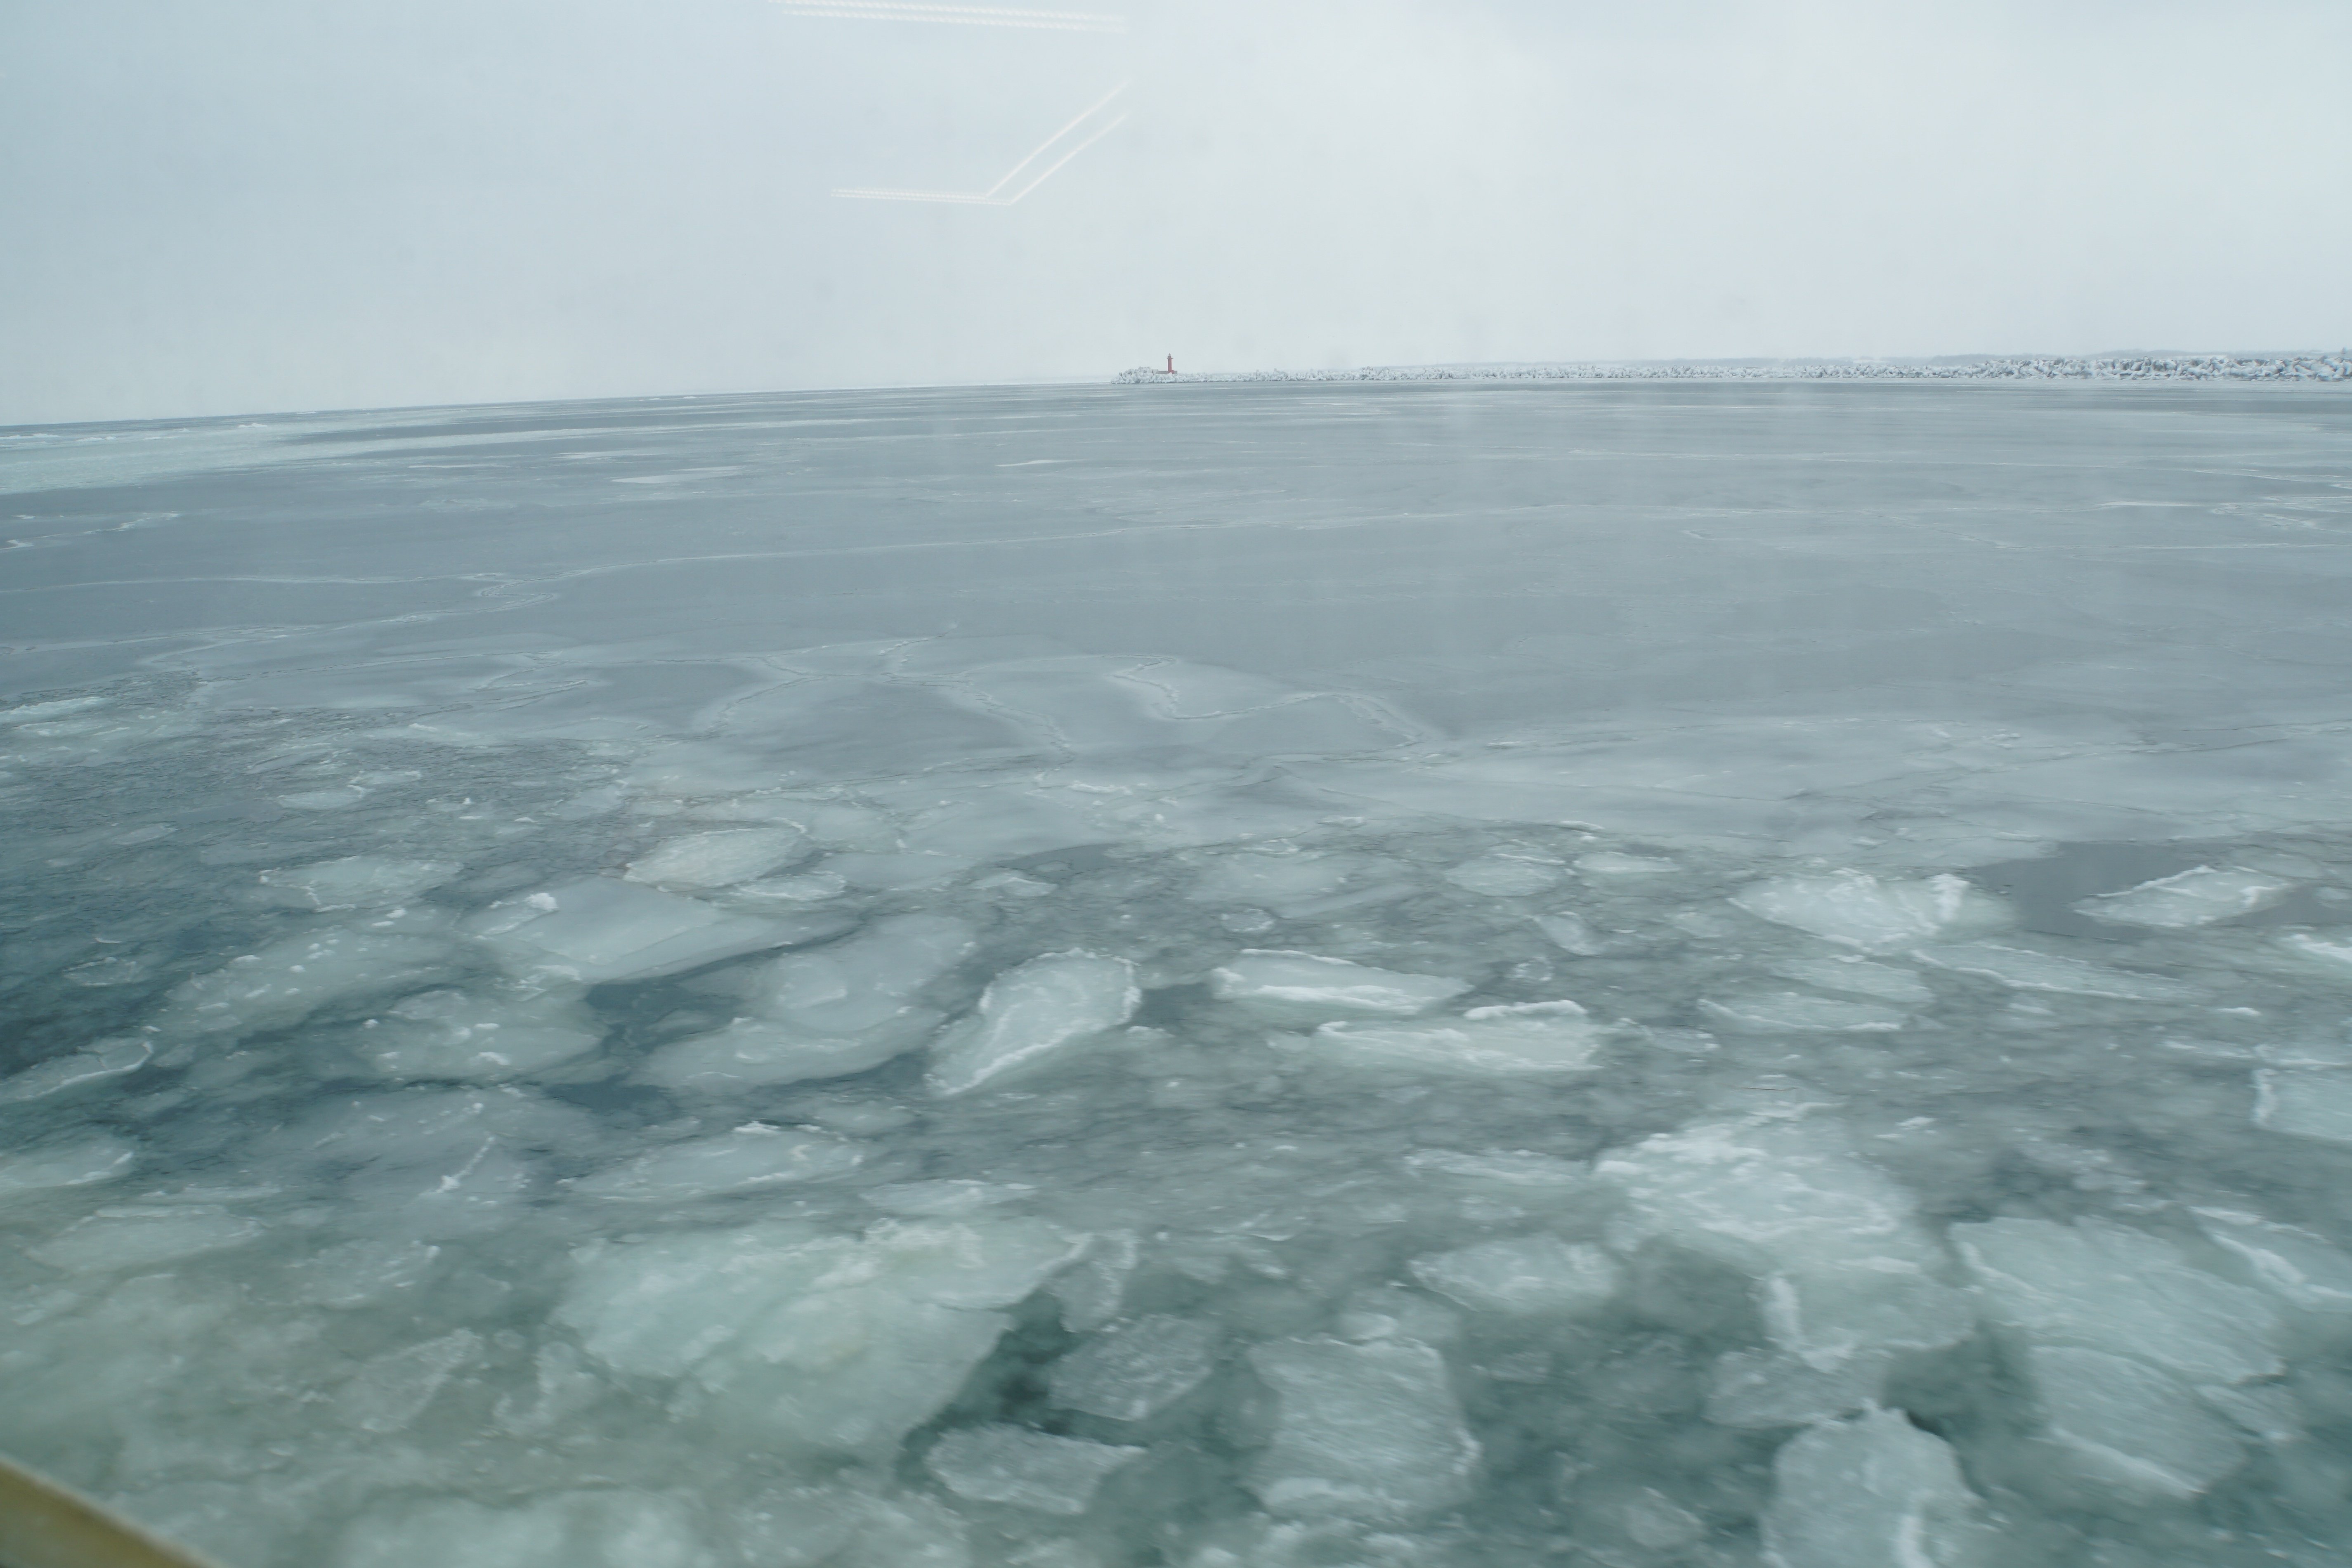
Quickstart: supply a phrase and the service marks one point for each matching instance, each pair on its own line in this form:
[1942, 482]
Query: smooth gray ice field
[1213, 976]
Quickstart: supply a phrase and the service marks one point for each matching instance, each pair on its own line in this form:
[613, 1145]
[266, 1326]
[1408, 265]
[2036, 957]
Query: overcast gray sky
[229, 206]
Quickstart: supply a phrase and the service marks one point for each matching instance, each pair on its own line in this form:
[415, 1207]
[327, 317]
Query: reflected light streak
[994, 196]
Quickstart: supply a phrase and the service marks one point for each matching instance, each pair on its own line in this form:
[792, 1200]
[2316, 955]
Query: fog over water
[1648, 973]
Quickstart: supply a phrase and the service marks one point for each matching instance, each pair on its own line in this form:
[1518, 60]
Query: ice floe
[1861, 910]
[2023, 969]
[2101, 1286]
[1026, 1468]
[1522, 1275]
[1366, 1431]
[807, 1338]
[1131, 1370]
[2193, 897]
[2314, 1102]
[1030, 1013]
[1531, 1039]
[1872, 1493]
[599, 930]
[1306, 988]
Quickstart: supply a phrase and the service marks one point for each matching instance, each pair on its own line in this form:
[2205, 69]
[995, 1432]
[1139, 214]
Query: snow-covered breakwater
[561, 1075]
[2305, 367]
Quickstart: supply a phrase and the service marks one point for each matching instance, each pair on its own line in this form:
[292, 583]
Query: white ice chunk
[842, 1009]
[2307, 1271]
[819, 1341]
[1364, 1431]
[1300, 988]
[1394, 1312]
[289, 980]
[355, 1273]
[2312, 1102]
[1859, 976]
[2131, 1424]
[1570, 932]
[2103, 1287]
[393, 1389]
[428, 1163]
[1522, 1275]
[858, 985]
[599, 930]
[1131, 1370]
[1795, 1012]
[1301, 885]
[761, 1051]
[1873, 1492]
[1760, 1389]
[2333, 957]
[1518, 1169]
[752, 1157]
[478, 1037]
[1027, 1469]
[1842, 1265]
[1860, 910]
[357, 882]
[607, 1528]
[2192, 898]
[1032, 1013]
[1092, 1290]
[71, 1161]
[1534, 1040]
[717, 859]
[1613, 863]
[144, 1236]
[94, 1063]
[2023, 969]
[1503, 876]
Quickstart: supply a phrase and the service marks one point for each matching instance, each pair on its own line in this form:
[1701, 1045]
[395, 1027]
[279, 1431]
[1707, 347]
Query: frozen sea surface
[1293, 976]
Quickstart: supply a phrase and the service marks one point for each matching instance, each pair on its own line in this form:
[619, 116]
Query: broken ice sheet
[2026, 970]
[101, 1061]
[1522, 1275]
[601, 929]
[1365, 1431]
[1872, 1493]
[1306, 988]
[2192, 898]
[1024, 1468]
[1863, 911]
[357, 881]
[478, 1036]
[2131, 1424]
[719, 858]
[2313, 1102]
[1794, 1012]
[809, 1339]
[1529, 1040]
[71, 1160]
[1031, 1013]
[1133, 1370]
[1842, 1264]
[2105, 1287]
[752, 1157]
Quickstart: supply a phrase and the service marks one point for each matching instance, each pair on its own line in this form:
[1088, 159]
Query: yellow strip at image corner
[44, 1524]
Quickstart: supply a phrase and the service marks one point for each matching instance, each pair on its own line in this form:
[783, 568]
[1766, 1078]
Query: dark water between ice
[1231, 977]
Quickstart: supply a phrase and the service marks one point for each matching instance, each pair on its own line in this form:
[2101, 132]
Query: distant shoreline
[2297, 367]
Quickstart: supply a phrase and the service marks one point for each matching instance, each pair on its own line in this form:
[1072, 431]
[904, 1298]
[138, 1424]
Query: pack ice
[1689, 1045]
[804, 1340]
